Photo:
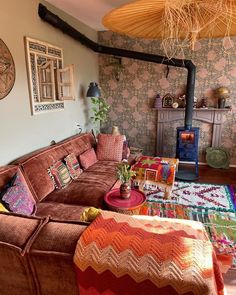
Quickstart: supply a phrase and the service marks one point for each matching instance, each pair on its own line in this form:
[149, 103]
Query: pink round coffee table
[127, 206]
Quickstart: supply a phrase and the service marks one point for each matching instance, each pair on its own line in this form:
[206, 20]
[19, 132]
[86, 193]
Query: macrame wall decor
[7, 70]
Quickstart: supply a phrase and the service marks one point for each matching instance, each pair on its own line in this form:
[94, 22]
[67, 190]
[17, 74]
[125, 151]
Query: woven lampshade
[174, 19]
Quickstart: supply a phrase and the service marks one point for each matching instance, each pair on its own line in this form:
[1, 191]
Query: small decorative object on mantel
[7, 70]
[217, 157]
[222, 94]
[158, 102]
[175, 105]
[167, 100]
[125, 174]
[204, 103]
[182, 101]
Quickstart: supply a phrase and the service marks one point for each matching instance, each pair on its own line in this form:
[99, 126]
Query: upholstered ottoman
[153, 172]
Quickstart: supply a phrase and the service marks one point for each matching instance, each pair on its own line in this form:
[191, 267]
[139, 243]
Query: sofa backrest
[6, 173]
[78, 144]
[16, 233]
[35, 165]
[51, 257]
[37, 255]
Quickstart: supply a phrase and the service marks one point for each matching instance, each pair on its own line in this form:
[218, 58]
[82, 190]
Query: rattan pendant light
[178, 23]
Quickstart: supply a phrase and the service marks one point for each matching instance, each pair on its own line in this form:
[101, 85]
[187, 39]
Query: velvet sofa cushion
[51, 257]
[110, 147]
[16, 235]
[89, 189]
[37, 255]
[60, 211]
[88, 158]
[16, 195]
[79, 144]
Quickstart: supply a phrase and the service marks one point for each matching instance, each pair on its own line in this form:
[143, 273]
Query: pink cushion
[110, 147]
[73, 166]
[17, 197]
[88, 158]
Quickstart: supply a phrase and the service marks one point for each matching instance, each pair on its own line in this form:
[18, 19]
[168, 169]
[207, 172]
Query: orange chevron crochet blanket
[121, 254]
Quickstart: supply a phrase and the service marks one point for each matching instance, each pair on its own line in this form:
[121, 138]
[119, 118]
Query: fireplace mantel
[209, 115]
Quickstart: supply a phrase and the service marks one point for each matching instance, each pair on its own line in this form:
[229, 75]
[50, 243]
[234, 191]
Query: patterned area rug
[213, 205]
[199, 195]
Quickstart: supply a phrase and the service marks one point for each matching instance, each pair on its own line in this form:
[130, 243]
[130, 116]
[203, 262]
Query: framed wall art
[49, 83]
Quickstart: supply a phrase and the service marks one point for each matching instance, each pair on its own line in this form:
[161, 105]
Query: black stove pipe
[58, 23]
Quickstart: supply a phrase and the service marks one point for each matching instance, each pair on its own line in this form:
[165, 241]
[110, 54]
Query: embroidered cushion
[88, 158]
[17, 197]
[59, 174]
[73, 166]
[110, 147]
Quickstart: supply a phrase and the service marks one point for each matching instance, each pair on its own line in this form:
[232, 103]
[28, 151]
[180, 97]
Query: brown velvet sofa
[67, 203]
[37, 255]
[36, 252]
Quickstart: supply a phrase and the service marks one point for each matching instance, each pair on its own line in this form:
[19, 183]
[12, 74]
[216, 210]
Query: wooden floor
[218, 176]
[212, 175]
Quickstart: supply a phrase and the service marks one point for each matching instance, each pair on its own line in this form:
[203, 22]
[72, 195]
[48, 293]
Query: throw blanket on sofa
[120, 254]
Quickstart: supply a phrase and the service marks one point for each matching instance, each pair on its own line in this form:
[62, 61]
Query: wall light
[93, 90]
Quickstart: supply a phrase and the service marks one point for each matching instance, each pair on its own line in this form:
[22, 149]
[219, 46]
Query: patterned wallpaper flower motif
[132, 97]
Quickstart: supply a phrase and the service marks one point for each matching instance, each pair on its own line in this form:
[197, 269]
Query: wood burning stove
[187, 150]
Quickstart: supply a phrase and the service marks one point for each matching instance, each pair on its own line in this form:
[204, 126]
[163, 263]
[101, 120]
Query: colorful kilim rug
[199, 195]
[213, 205]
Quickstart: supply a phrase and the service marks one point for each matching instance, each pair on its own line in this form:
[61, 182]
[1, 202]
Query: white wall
[20, 132]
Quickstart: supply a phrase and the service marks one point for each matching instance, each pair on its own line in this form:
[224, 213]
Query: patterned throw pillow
[59, 174]
[110, 147]
[88, 158]
[73, 166]
[17, 197]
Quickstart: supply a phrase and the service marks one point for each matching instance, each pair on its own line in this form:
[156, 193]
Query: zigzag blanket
[120, 254]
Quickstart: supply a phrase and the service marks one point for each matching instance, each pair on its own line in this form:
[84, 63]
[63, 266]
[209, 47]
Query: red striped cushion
[73, 166]
[59, 174]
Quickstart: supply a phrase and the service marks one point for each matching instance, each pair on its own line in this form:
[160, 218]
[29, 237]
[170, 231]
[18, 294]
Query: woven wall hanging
[7, 70]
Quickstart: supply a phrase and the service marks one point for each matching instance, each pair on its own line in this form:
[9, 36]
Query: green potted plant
[125, 173]
[100, 109]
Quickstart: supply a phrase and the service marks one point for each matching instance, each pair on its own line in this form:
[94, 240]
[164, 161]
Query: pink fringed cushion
[88, 158]
[110, 147]
[59, 174]
[17, 197]
[73, 166]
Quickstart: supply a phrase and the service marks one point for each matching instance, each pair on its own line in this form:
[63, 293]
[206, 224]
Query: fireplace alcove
[210, 115]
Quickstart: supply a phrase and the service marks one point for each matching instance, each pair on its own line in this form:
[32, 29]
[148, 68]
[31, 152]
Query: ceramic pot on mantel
[125, 190]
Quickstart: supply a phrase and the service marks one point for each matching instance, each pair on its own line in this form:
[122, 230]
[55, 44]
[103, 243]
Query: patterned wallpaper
[130, 89]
